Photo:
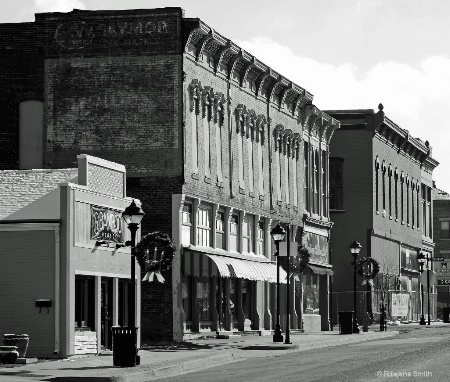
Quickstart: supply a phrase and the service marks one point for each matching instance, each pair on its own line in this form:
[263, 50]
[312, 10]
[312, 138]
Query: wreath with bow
[155, 253]
[297, 263]
[370, 271]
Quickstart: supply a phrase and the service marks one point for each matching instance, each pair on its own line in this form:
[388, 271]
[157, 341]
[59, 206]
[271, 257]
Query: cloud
[414, 97]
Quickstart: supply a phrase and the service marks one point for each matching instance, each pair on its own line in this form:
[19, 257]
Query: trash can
[446, 314]
[124, 341]
[345, 322]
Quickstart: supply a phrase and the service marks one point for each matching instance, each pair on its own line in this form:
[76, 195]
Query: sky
[350, 54]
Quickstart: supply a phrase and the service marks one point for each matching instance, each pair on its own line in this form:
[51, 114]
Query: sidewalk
[191, 355]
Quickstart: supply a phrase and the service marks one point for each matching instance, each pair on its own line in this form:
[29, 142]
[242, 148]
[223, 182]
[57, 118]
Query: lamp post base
[277, 336]
[422, 320]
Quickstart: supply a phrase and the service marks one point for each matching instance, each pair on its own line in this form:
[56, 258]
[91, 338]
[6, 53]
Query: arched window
[396, 193]
[316, 182]
[377, 186]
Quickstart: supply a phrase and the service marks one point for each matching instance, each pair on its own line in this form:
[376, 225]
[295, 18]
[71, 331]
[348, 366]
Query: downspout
[57, 288]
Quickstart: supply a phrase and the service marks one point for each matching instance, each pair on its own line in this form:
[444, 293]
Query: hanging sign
[106, 224]
[399, 304]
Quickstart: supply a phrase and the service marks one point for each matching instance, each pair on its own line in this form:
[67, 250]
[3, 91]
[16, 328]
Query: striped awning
[230, 265]
[221, 263]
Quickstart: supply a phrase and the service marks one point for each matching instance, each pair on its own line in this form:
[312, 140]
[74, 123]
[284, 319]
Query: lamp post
[355, 248]
[422, 259]
[287, 339]
[278, 234]
[133, 215]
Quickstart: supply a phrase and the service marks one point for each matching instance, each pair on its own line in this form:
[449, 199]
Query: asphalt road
[415, 355]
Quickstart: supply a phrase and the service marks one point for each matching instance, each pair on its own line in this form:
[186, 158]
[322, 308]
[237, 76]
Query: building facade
[380, 185]
[59, 282]
[441, 220]
[218, 146]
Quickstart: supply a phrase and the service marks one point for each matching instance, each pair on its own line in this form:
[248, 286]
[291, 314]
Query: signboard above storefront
[106, 225]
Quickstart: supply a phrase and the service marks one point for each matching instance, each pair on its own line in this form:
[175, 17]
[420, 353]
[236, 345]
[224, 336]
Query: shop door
[106, 313]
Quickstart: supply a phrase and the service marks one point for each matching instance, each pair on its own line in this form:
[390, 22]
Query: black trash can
[124, 341]
[345, 322]
[446, 314]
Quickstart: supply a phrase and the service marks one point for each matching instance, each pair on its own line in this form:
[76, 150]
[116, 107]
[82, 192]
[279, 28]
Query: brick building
[218, 147]
[441, 235]
[57, 283]
[380, 184]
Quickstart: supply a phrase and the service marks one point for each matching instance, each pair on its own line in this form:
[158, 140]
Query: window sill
[242, 190]
[207, 180]
[251, 194]
[261, 197]
[337, 211]
[195, 176]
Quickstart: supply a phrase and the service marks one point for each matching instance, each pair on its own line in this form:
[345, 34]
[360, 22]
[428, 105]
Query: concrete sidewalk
[158, 362]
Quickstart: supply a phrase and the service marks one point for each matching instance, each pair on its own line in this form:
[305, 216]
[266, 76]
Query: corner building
[380, 188]
[218, 147]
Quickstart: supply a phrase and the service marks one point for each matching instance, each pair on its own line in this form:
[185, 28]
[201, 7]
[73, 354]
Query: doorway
[106, 312]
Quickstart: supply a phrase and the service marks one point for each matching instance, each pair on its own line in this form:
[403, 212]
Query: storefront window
[84, 302]
[203, 298]
[311, 297]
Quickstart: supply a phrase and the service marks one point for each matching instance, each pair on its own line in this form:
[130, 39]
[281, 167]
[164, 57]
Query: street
[414, 355]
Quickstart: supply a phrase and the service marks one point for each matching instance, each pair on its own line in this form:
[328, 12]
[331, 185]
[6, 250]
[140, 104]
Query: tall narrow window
[207, 139]
[402, 207]
[383, 179]
[260, 168]
[377, 186]
[278, 165]
[220, 230]
[294, 163]
[316, 182]
[324, 184]
[413, 186]
[306, 175]
[219, 150]
[247, 233]
[250, 161]
[241, 154]
[234, 232]
[424, 210]
[430, 215]
[407, 200]
[195, 134]
[286, 173]
[390, 190]
[336, 183]
[186, 221]
[396, 193]
[418, 204]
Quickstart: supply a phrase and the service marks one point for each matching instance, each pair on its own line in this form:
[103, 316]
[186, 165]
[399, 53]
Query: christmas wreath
[369, 272]
[298, 263]
[155, 253]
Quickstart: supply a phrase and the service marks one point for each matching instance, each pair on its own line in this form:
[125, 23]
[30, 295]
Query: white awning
[221, 263]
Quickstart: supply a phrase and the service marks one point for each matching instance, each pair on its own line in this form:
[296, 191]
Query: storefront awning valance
[259, 268]
[321, 270]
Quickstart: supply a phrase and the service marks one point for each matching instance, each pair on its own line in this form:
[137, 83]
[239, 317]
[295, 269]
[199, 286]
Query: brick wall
[32, 194]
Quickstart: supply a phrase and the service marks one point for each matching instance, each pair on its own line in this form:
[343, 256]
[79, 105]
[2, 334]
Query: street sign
[293, 249]
[443, 282]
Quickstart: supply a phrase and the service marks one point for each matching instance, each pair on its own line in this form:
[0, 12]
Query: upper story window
[260, 238]
[377, 184]
[186, 221]
[390, 189]
[396, 193]
[234, 232]
[220, 230]
[247, 233]
[204, 226]
[336, 183]
[306, 175]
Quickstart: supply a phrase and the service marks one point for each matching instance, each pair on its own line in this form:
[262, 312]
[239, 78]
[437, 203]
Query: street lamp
[355, 248]
[422, 259]
[133, 215]
[278, 234]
